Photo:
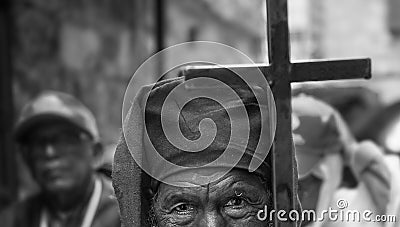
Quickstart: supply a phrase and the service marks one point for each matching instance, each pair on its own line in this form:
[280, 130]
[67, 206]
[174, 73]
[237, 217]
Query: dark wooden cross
[280, 73]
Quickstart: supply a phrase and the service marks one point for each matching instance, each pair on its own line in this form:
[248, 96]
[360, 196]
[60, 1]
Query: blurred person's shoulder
[108, 211]
[22, 213]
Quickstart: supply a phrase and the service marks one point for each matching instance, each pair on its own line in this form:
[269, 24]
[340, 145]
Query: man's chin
[59, 185]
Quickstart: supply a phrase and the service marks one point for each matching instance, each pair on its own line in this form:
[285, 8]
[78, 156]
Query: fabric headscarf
[318, 145]
[315, 131]
[163, 106]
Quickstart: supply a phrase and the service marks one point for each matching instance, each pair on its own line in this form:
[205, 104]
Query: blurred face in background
[60, 156]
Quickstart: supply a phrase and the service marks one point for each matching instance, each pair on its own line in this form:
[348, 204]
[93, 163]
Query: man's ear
[97, 155]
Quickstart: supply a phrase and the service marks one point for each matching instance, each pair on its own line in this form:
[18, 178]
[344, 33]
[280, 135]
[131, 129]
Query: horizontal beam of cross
[299, 71]
[331, 70]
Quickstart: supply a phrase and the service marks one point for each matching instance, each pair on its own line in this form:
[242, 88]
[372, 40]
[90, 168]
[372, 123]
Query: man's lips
[54, 169]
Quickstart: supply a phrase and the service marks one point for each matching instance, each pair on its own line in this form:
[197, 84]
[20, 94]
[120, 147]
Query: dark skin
[234, 200]
[61, 158]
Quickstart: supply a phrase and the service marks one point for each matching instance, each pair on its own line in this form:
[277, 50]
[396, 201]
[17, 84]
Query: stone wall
[89, 48]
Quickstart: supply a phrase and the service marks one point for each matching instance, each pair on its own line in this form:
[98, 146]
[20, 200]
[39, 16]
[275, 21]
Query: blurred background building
[350, 29]
[90, 48]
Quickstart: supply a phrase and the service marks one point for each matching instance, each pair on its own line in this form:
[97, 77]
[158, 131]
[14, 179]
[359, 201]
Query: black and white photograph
[200, 113]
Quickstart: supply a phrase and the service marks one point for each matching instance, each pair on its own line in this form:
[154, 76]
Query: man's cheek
[177, 220]
[248, 220]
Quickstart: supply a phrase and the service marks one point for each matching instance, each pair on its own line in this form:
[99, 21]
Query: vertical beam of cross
[278, 32]
[284, 176]
[160, 23]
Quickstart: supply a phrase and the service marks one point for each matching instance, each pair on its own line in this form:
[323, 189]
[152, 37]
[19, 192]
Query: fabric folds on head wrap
[174, 121]
[315, 131]
[318, 144]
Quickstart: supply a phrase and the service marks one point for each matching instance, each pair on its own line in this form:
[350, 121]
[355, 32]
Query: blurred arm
[368, 165]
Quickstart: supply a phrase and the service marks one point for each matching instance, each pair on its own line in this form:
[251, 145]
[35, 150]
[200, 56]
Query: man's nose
[213, 219]
[50, 151]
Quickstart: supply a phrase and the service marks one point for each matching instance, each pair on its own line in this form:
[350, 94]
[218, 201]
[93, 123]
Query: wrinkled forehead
[235, 177]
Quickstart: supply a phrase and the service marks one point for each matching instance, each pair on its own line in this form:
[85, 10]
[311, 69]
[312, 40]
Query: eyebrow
[178, 193]
[248, 190]
[239, 183]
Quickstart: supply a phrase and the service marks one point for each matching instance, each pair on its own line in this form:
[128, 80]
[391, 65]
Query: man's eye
[183, 208]
[236, 202]
[238, 207]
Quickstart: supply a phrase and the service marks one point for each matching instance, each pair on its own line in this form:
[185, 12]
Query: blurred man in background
[324, 146]
[59, 140]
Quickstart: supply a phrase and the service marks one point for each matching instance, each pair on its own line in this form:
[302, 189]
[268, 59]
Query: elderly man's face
[60, 156]
[234, 200]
